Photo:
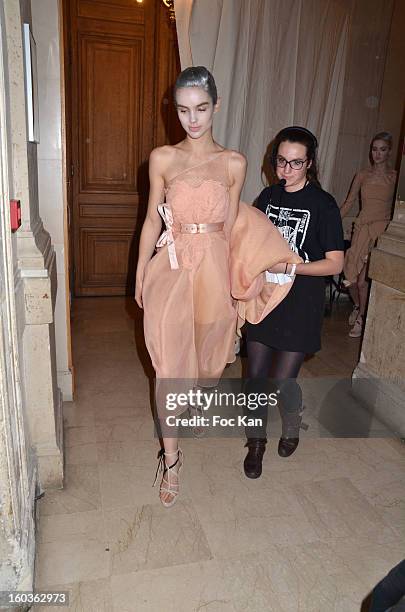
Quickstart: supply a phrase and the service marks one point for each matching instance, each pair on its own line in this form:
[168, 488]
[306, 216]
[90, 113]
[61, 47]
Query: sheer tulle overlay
[192, 313]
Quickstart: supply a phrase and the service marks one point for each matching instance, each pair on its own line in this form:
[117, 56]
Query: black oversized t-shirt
[309, 219]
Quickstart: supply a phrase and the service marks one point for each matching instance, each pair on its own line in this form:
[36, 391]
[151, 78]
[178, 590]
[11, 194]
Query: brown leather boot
[253, 460]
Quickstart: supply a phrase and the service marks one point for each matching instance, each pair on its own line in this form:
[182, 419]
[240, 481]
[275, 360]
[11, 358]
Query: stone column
[379, 378]
[36, 260]
[18, 464]
[45, 21]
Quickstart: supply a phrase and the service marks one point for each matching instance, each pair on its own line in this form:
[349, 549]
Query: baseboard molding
[50, 458]
[65, 384]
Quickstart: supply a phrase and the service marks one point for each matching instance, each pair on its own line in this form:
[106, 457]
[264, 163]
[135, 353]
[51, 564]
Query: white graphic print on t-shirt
[292, 223]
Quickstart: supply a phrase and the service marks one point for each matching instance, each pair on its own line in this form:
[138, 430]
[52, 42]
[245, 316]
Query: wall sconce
[170, 5]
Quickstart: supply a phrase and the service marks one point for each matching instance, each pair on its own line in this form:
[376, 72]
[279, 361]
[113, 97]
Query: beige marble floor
[315, 533]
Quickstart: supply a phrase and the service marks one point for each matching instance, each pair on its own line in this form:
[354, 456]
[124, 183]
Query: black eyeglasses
[295, 164]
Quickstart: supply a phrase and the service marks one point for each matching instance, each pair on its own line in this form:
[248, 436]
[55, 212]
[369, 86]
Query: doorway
[121, 60]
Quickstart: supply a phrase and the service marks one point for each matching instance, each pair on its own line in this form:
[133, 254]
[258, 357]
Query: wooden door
[123, 58]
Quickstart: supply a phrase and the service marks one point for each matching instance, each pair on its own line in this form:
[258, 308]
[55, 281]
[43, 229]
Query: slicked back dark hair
[197, 76]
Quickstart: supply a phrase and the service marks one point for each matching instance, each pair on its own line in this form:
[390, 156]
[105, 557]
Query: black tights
[266, 363]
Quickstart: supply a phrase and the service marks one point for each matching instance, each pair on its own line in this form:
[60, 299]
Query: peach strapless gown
[190, 316]
[377, 193]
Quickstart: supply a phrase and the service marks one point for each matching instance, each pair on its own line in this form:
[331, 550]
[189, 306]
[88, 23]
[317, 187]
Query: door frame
[65, 75]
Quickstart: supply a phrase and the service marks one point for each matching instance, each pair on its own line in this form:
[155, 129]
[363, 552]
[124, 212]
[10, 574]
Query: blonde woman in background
[375, 185]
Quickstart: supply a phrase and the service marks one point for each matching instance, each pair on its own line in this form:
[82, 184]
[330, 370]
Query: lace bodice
[200, 194]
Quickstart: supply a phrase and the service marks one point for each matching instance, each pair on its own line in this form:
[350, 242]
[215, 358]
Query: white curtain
[276, 63]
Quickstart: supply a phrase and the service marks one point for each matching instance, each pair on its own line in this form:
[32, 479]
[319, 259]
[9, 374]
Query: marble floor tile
[62, 527]
[374, 451]
[100, 325]
[140, 453]
[283, 579]
[388, 499]
[110, 396]
[148, 537]
[368, 560]
[315, 533]
[72, 548]
[127, 383]
[116, 398]
[77, 414]
[125, 430]
[194, 587]
[76, 436]
[103, 347]
[229, 539]
[81, 492]
[398, 445]
[134, 408]
[336, 509]
[123, 484]
[92, 355]
[88, 596]
[75, 560]
[81, 454]
[238, 504]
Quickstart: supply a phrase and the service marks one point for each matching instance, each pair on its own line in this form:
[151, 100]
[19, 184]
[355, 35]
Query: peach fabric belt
[201, 228]
[167, 238]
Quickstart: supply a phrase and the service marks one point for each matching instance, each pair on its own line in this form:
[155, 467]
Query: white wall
[45, 23]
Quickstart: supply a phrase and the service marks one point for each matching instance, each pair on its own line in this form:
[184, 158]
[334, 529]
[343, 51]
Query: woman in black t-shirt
[309, 219]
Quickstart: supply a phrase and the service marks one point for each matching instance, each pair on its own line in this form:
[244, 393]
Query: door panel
[123, 61]
[113, 10]
[105, 251]
[110, 134]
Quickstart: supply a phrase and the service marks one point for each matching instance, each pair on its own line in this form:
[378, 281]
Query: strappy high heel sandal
[167, 486]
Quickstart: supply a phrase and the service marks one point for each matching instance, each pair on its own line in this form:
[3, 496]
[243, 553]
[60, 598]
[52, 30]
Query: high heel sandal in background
[167, 486]
[357, 329]
[354, 314]
[198, 412]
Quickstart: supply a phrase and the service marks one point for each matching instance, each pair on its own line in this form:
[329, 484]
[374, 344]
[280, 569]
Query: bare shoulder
[162, 154]
[361, 174]
[237, 163]
[161, 159]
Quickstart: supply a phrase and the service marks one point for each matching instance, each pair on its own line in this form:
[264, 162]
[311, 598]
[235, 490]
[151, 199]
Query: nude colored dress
[376, 193]
[200, 285]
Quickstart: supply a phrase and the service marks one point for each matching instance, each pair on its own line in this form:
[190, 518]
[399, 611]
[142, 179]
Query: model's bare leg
[362, 289]
[362, 286]
[354, 293]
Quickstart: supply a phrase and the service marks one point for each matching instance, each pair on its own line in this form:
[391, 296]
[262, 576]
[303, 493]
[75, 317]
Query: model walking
[375, 186]
[189, 314]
